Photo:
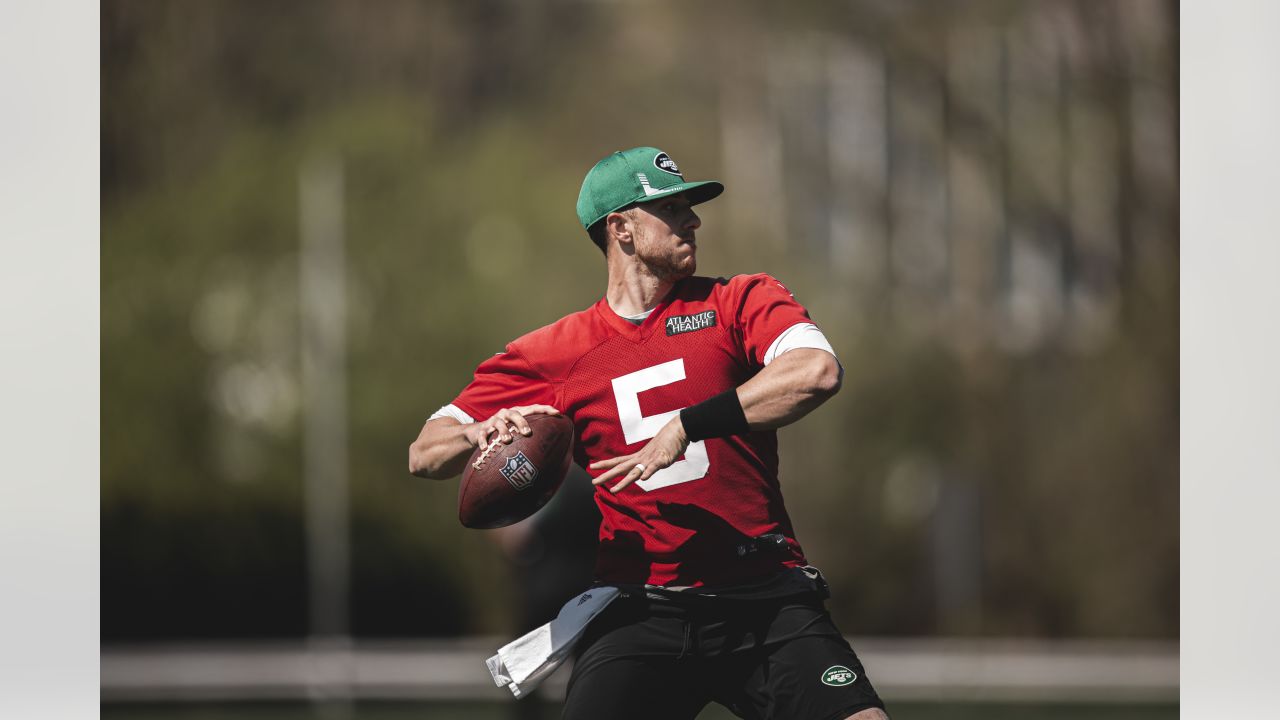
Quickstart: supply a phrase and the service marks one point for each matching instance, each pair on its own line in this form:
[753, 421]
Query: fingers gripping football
[661, 452]
[505, 423]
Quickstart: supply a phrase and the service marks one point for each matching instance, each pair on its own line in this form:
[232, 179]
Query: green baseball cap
[636, 175]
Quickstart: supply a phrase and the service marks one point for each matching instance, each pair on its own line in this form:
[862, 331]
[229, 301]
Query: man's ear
[619, 226]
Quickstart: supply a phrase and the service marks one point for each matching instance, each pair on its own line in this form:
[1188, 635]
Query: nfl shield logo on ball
[519, 471]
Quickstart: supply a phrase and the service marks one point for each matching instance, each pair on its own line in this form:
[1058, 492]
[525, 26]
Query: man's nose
[693, 222]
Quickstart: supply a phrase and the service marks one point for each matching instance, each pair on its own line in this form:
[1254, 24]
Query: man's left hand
[664, 449]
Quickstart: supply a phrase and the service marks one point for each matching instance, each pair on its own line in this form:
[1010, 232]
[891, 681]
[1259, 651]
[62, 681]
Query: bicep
[800, 368]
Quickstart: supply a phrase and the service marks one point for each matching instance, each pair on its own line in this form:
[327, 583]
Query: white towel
[523, 663]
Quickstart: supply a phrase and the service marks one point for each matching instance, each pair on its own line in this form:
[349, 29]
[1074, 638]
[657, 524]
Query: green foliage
[462, 138]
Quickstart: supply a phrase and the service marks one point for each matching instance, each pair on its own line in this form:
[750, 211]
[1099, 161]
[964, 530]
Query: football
[504, 484]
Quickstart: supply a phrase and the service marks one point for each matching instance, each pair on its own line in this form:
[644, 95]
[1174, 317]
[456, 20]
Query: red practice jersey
[690, 524]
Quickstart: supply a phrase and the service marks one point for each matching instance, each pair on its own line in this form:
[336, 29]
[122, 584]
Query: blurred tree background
[976, 200]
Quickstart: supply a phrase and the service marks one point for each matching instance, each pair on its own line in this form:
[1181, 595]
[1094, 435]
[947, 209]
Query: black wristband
[716, 417]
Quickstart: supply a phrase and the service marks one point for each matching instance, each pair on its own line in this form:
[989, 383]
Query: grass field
[491, 711]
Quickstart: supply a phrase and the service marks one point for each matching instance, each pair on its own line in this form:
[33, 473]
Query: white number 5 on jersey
[637, 427]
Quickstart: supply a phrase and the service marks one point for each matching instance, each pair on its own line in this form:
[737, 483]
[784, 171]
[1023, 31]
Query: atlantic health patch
[677, 324]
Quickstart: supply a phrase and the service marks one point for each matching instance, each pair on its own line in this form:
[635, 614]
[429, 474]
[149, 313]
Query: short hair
[598, 232]
[599, 236]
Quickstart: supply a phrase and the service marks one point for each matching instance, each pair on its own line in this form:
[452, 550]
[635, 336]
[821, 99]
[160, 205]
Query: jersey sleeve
[800, 335]
[503, 381]
[765, 309]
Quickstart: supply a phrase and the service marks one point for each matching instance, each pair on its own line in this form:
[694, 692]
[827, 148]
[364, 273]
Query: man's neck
[633, 290]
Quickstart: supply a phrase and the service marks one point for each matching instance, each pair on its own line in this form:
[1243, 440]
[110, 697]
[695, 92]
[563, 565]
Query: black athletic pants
[782, 658]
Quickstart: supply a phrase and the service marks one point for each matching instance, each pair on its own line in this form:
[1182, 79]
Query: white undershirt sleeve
[454, 412]
[800, 335]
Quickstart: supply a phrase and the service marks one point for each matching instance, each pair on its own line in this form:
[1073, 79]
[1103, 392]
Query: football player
[676, 385]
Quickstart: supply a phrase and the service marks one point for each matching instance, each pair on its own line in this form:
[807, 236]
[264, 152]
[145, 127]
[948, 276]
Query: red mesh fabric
[612, 378]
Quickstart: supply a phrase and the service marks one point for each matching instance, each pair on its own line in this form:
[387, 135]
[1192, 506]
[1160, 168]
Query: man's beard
[669, 267]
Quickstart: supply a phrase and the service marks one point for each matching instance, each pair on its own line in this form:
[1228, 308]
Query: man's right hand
[506, 422]
[443, 446]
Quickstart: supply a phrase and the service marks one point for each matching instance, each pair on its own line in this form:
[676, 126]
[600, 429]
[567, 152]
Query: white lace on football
[488, 450]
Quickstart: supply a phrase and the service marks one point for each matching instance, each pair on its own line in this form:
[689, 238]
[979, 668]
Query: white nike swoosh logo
[644, 184]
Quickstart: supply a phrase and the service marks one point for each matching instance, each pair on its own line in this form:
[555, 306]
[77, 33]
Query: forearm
[789, 388]
[786, 390]
[444, 445]
[441, 450]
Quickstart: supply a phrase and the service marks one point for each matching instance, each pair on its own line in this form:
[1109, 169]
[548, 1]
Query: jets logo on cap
[664, 163]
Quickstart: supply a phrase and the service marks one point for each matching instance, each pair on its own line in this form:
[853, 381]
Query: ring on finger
[639, 466]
